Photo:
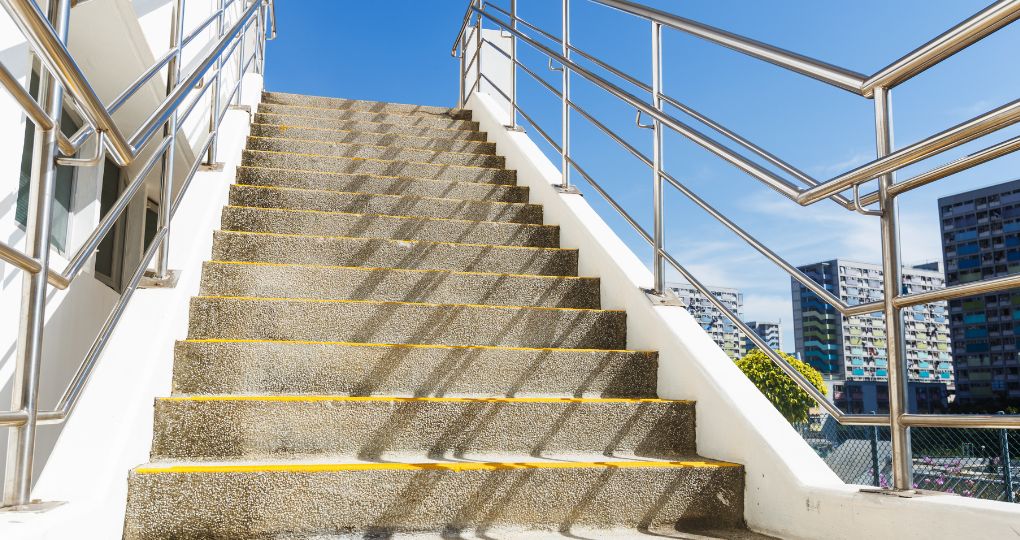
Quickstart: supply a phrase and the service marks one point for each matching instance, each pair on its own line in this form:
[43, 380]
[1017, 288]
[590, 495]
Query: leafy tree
[778, 387]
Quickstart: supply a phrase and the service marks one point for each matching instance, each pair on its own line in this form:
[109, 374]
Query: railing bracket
[34, 507]
[150, 281]
[666, 298]
[217, 166]
[567, 190]
[518, 129]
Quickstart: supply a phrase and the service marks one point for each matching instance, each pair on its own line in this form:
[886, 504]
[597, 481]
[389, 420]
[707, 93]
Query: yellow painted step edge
[285, 128]
[416, 345]
[297, 398]
[395, 303]
[367, 145]
[292, 235]
[393, 216]
[448, 467]
[391, 195]
[441, 165]
[372, 175]
[388, 269]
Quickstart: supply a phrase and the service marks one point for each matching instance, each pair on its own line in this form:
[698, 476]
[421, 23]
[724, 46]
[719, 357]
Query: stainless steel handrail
[46, 37]
[882, 168]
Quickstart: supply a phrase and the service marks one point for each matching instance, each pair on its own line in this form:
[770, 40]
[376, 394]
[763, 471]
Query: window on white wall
[109, 255]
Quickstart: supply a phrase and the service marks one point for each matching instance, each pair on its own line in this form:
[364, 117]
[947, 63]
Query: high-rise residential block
[720, 327]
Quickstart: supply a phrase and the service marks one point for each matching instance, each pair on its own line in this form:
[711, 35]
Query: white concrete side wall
[789, 491]
[110, 432]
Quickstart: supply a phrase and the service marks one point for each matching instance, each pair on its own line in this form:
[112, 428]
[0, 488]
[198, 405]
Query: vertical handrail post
[565, 100]
[462, 94]
[513, 66]
[166, 179]
[899, 434]
[25, 391]
[658, 261]
[214, 113]
[478, 49]
[243, 37]
[1007, 464]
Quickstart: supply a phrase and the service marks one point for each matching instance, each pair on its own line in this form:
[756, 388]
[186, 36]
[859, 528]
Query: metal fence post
[25, 390]
[658, 261]
[876, 475]
[1007, 464]
[899, 435]
[565, 101]
[173, 74]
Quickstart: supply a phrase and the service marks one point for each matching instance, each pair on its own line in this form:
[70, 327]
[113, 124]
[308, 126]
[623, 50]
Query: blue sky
[399, 51]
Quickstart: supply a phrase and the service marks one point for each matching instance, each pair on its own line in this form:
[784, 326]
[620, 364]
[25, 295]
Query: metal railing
[236, 22]
[793, 183]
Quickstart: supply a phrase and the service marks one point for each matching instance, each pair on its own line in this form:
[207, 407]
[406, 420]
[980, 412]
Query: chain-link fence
[983, 463]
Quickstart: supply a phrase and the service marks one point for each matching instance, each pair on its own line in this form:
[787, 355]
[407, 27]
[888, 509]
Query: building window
[109, 255]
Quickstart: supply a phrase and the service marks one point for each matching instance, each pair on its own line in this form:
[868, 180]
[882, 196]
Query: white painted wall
[789, 492]
[113, 41]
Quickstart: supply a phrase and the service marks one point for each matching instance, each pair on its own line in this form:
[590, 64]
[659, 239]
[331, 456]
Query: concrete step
[364, 121]
[378, 428]
[282, 98]
[392, 205]
[389, 116]
[367, 183]
[391, 153]
[363, 321]
[220, 278]
[303, 122]
[382, 139]
[387, 253]
[406, 169]
[315, 222]
[280, 367]
[195, 500]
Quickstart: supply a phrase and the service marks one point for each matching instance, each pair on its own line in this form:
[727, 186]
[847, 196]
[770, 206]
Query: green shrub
[778, 387]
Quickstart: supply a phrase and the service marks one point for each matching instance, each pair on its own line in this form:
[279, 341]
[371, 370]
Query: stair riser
[360, 105]
[319, 118]
[369, 127]
[381, 139]
[335, 369]
[315, 223]
[382, 185]
[406, 169]
[380, 429]
[261, 505]
[442, 120]
[406, 323]
[301, 146]
[392, 254]
[360, 203]
[397, 286]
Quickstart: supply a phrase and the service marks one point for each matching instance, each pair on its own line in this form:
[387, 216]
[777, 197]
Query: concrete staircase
[389, 341]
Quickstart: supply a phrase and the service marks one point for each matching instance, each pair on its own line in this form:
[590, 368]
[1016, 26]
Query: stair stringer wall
[789, 491]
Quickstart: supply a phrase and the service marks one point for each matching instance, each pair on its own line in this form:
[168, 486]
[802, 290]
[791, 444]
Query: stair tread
[278, 97]
[418, 345]
[351, 136]
[399, 303]
[351, 158]
[295, 118]
[362, 145]
[375, 128]
[397, 241]
[388, 196]
[250, 169]
[391, 269]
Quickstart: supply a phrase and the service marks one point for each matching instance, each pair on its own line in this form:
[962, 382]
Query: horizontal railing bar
[173, 101]
[182, 117]
[612, 202]
[987, 421]
[74, 389]
[775, 182]
[198, 29]
[32, 109]
[99, 233]
[52, 52]
[527, 70]
[962, 133]
[191, 173]
[961, 36]
[958, 291]
[845, 79]
[13, 418]
[992, 152]
[534, 124]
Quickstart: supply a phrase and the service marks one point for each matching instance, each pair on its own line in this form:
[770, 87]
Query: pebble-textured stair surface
[390, 342]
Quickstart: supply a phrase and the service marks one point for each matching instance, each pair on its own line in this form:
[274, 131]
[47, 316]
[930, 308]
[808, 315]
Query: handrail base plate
[34, 507]
[150, 281]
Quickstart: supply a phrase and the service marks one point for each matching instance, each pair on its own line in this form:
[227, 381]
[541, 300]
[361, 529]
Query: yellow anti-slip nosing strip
[285, 128]
[417, 346]
[398, 270]
[393, 216]
[448, 467]
[371, 175]
[389, 195]
[400, 399]
[441, 165]
[397, 303]
[367, 145]
[359, 121]
[292, 235]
